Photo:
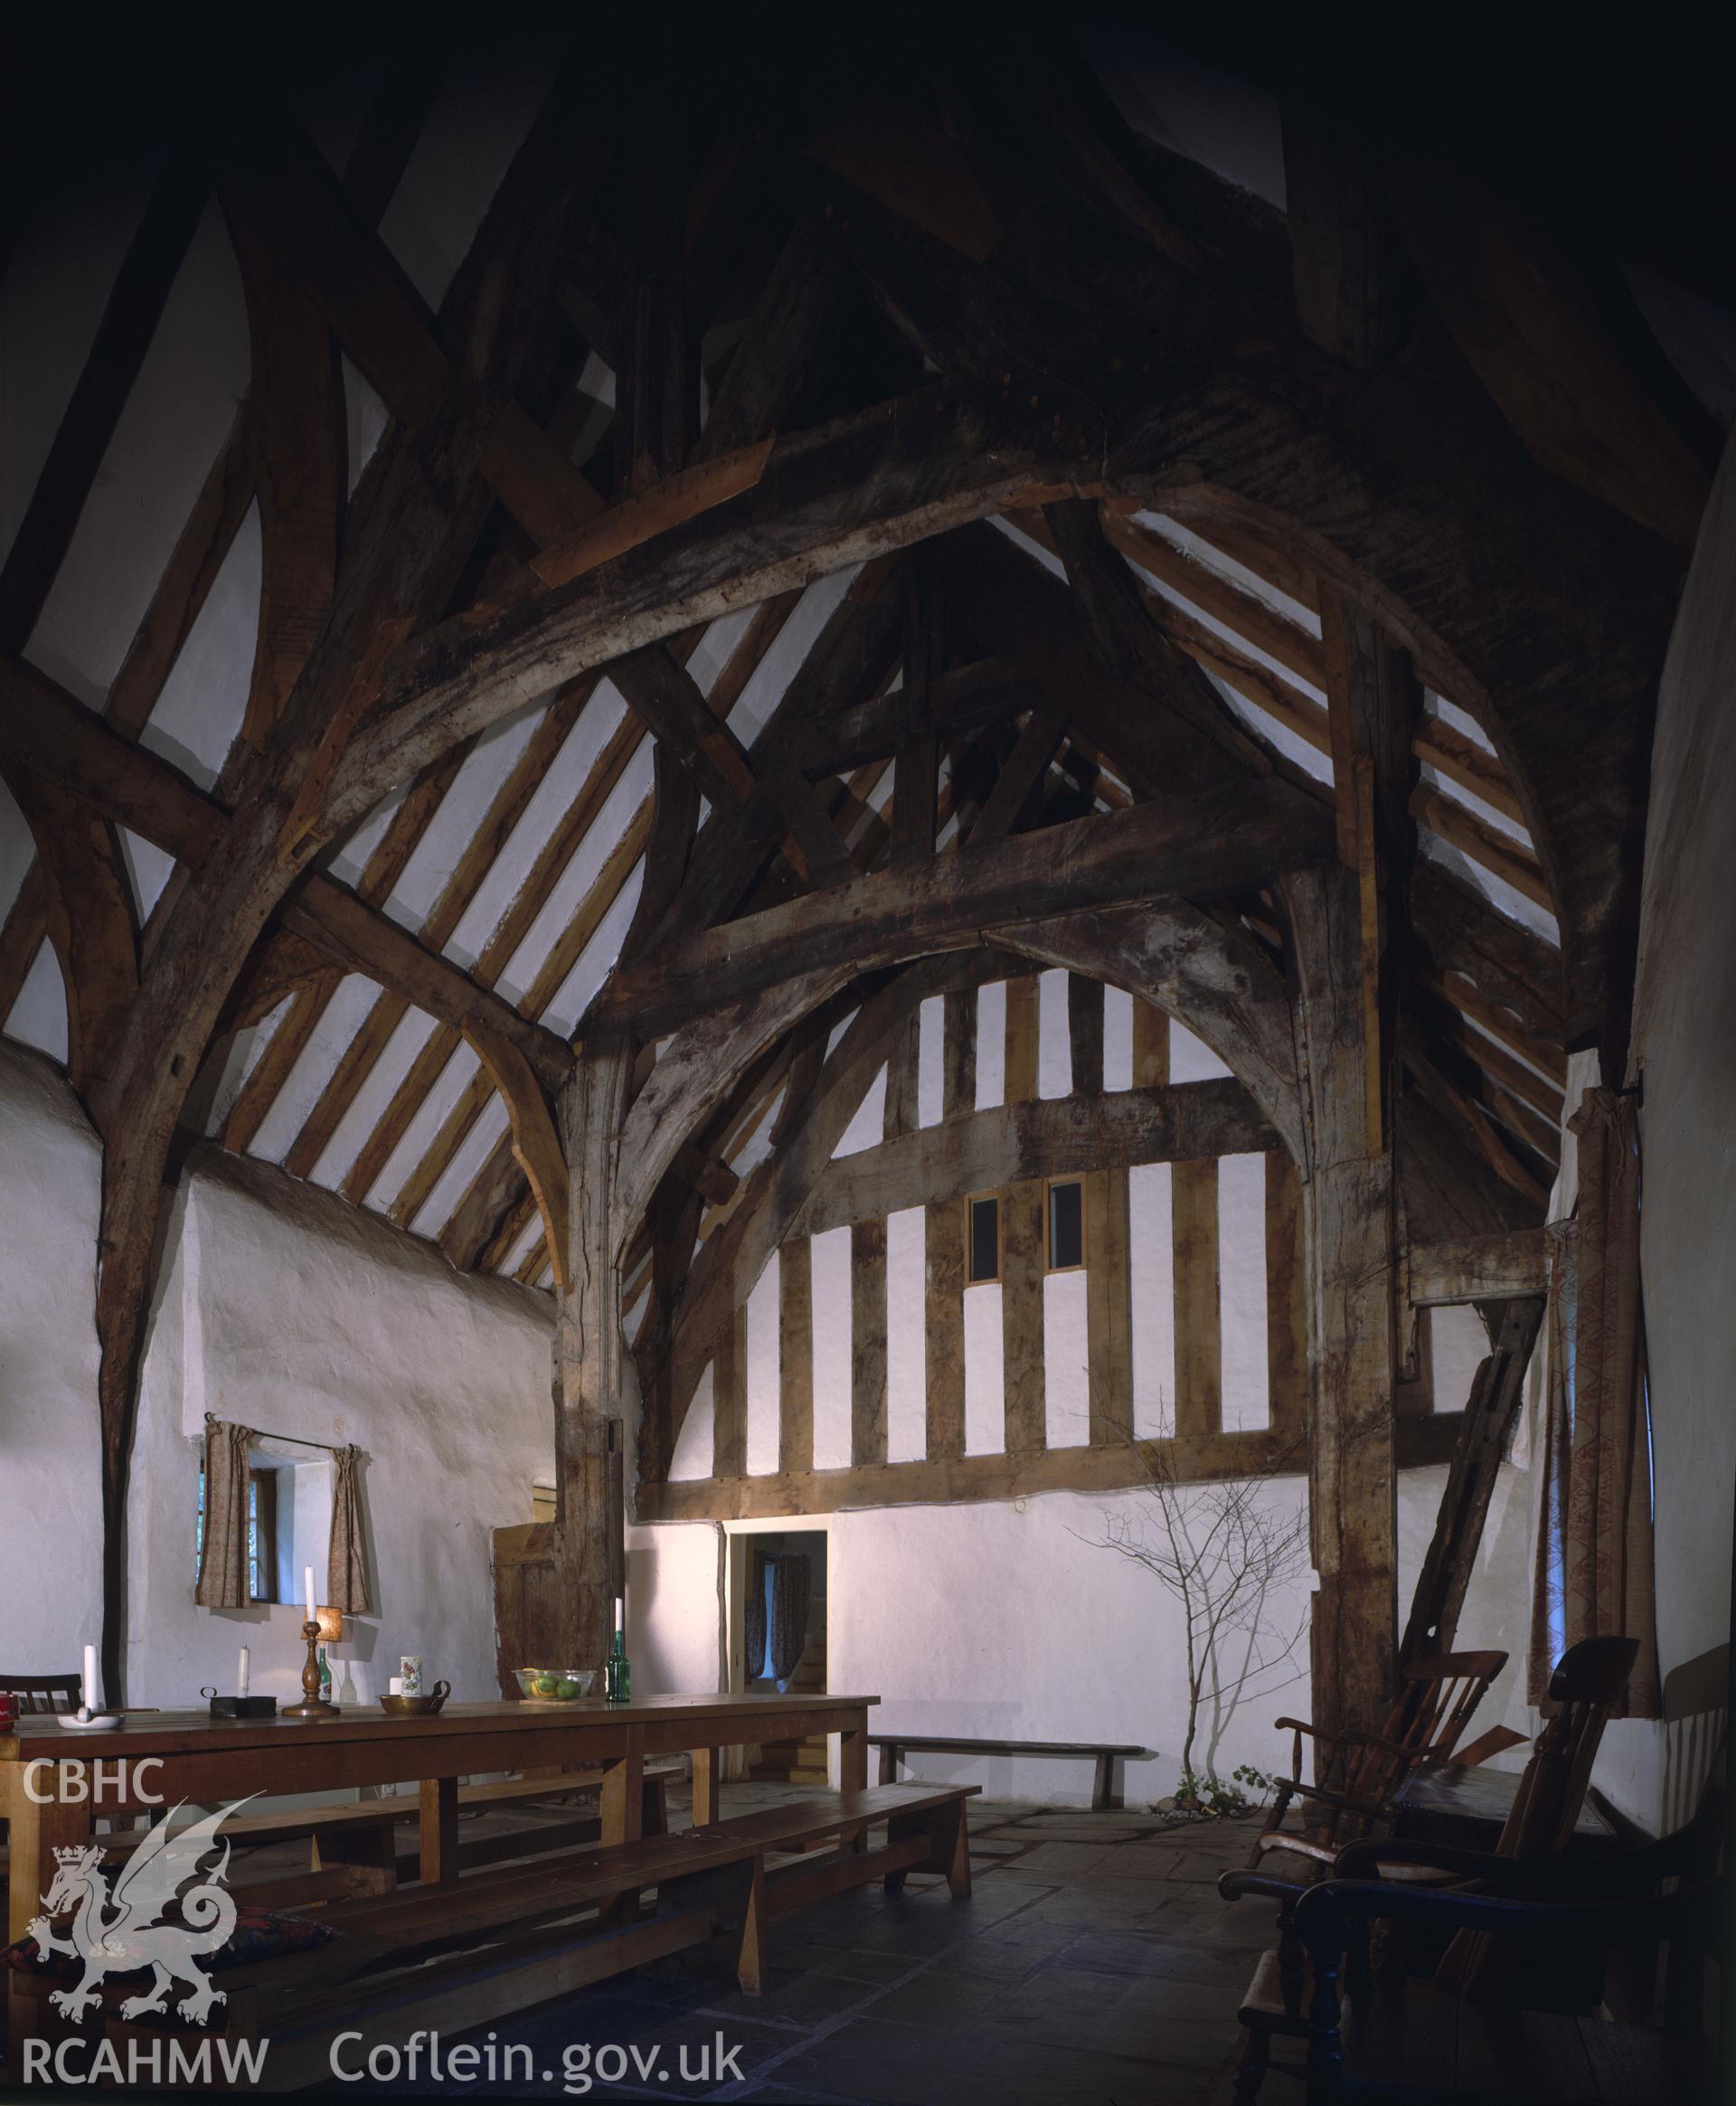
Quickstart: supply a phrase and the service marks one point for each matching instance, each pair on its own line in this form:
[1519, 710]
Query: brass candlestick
[311, 1704]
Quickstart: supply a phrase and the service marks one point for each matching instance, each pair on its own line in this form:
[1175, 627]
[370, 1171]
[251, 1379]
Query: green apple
[545, 1685]
[567, 1688]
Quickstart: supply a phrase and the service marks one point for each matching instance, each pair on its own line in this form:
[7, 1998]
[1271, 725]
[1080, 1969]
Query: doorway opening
[778, 1642]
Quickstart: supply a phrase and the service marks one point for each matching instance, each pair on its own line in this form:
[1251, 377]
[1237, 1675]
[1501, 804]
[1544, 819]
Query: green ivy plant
[1212, 1798]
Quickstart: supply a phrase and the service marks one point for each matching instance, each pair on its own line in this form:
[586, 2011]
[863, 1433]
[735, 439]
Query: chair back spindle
[43, 1692]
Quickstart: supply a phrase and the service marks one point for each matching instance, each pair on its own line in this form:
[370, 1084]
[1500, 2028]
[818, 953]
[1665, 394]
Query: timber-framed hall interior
[867, 1057]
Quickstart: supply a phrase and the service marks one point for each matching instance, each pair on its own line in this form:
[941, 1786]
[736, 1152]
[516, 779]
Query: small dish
[553, 1684]
[417, 1706]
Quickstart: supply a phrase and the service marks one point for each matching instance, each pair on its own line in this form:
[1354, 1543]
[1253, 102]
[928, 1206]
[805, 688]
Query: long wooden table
[206, 1761]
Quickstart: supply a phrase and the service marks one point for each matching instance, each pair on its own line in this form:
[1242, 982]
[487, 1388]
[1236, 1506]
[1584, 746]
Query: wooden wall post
[1198, 1297]
[1022, 1245]
[1348, 1213]
[795, 1356]
[868, 1342]
[590, 1353]
[943, 1228]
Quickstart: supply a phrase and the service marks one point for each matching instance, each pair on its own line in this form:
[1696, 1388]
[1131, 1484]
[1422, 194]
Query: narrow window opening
[1066, 1224]
[983, 1238]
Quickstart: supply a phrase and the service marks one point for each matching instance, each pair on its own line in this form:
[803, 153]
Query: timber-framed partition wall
[1013, 1151]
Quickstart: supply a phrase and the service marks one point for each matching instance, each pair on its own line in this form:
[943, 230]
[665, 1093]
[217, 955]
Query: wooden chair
[45, 1692]
[1586, 1686]
[1424, 1725]
[1433, 1708]
[1590, 1681]
[1411, 2041]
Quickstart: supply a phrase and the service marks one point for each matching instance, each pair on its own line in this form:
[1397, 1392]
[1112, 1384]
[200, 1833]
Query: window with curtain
[261, 1534]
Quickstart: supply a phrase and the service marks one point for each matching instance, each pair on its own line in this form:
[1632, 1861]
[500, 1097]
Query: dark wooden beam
[853, 652]
[772, 366]
[89, 918]
[1518, 301]
[957, 1479]
[414, 522]
[1203, 846]
[135, 307]
[915, 785]
[1479, 1269]
[45, 729]
[1353, 1357]
[1054, 1136]
[1353, 295]
[1203, 734]
[859, 487]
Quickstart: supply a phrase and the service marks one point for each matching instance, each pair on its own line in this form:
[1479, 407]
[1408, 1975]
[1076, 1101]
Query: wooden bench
[1105, 1753]
[356, 1840]
[496, 1942]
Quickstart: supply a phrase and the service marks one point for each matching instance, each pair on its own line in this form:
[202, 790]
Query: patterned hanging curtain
[222, 1550]
[788, 1612]
[755, 1619]
[346, 1560]
[1594, 1544]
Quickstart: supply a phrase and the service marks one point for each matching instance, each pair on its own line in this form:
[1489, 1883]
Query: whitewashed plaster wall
[282, 1308]
[51, 1515]
[1685, 1033]
[1007, 1620]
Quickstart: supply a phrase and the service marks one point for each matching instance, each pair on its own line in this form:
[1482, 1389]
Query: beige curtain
[222, 1552]
[1594, 1546]
[346, 1561]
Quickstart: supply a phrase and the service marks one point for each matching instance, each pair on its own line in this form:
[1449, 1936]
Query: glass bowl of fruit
[554, 1685]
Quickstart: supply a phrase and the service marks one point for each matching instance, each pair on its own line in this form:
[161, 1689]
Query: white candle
[308, 1574]
[620, 1612]
[241, 1671]
[395, 1686]
[90, 1678]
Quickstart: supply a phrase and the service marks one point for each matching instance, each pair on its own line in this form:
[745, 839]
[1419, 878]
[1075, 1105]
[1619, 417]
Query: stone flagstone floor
[1093, 1963]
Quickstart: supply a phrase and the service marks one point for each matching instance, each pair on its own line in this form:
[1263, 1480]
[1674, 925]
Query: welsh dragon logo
[126, 1931]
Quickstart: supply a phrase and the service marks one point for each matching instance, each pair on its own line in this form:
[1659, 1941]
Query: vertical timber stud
[591, 1351]
[795, 1356]
[944, 1231]
[730, 1398]
[1348, 1204]
[1108, 1282]
[1287, 1307]
[1022, 1245]
[868, 1342]
[1150, 1046]
[916, 770]
[1199, 1343]
[1350, 939]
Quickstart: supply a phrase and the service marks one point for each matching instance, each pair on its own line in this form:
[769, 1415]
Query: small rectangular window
[983, 1238]
[262, 1534]
[1066, 1224]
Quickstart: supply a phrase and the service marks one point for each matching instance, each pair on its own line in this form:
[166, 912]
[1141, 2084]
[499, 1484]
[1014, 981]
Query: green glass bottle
[618, 1674]
[325, 1677]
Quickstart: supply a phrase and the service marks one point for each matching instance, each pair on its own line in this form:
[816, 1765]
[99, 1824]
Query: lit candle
[308, 1575]
[241, 1672]
[90, 1678]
